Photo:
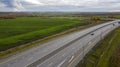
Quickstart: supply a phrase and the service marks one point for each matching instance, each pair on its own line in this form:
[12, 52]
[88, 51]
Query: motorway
[64, 51]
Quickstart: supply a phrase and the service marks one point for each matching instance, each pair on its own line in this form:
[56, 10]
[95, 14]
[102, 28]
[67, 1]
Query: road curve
[64, 51]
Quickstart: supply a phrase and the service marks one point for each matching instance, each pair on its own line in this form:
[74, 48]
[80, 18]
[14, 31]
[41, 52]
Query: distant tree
[95, 18]
[7, 16]
[111, 16]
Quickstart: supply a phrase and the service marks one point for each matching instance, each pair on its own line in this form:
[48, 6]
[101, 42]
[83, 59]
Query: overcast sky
[61, 5]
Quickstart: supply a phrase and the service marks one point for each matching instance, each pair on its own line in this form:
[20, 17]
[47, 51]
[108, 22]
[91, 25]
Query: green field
[15, 32]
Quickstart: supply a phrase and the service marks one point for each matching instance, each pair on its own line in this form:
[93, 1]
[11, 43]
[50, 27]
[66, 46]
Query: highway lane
[72, 50]
[58, 52]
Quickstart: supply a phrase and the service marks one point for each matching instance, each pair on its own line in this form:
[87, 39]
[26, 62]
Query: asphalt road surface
[64, 51]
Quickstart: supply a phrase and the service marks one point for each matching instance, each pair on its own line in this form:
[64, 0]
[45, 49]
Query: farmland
[15, 32]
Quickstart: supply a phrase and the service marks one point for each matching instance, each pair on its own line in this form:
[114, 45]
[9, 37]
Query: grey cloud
[63, 5]
[12, 4]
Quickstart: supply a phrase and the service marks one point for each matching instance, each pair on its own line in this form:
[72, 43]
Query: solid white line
[50, 64]
[71, 59]
[89, 43]
[63, 55]
[73, 48]
[30, 58]
[77, 57]
[61, 63]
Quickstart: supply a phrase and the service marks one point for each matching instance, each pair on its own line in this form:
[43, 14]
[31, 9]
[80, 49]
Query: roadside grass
[15, 32]
[101, 53]
[114, 60]
[104, 61]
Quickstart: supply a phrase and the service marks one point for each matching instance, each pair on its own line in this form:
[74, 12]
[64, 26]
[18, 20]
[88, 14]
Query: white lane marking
[71, 59]
[45, 50]
[38, 66]
[61, 63]
[89, 43]
[30, 58]
[73, 48]
[50, 64]
[76, 58]
[63, 55]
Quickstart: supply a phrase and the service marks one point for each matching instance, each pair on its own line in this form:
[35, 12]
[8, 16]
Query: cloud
[60, 5]
[15, 5]
[37, 2]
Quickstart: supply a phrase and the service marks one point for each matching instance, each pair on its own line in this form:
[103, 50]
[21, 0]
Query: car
[118, 22]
